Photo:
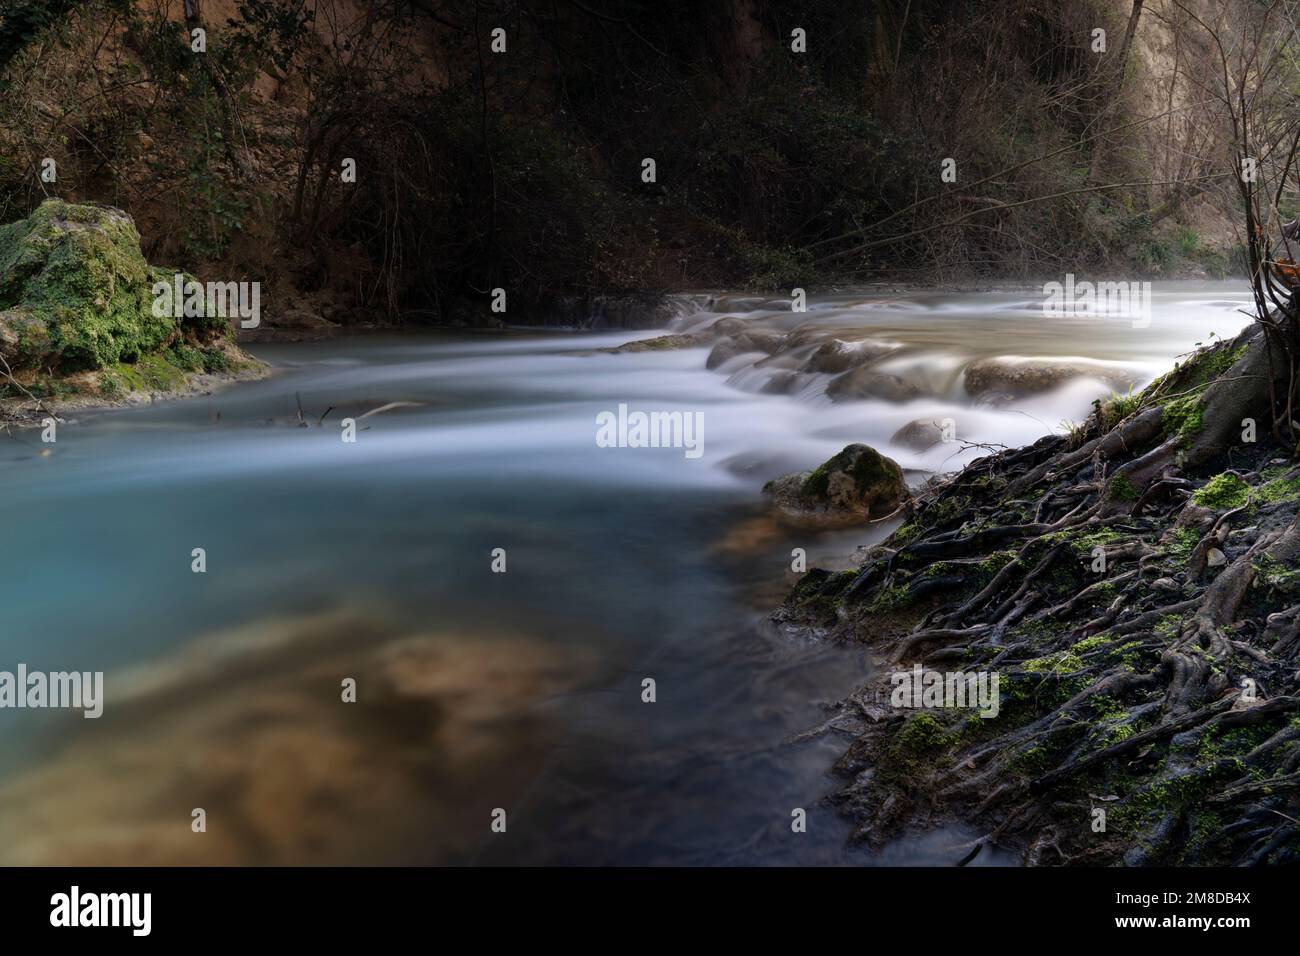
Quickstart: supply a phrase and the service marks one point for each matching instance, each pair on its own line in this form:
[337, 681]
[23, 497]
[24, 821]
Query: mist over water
[478, 690]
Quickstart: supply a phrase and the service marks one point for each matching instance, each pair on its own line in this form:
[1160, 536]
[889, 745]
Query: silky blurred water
[616, 556]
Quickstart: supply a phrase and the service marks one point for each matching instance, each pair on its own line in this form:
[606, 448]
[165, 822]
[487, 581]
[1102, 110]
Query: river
[479, 690]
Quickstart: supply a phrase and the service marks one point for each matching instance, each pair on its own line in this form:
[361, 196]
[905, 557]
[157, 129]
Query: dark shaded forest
[382, 160]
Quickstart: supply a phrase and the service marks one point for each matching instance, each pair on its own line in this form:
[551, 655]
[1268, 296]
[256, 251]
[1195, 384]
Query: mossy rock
[660, 343]
[855, 485]
[1226, 490]
[76, 292]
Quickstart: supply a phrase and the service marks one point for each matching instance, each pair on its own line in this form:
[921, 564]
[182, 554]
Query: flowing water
[480, 691]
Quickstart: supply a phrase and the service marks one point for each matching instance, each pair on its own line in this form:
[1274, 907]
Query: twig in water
[390, 405]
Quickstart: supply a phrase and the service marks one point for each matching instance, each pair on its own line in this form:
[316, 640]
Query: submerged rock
[660, 343]
[1002, 380]
[856, 485]
[784, 383]
[757, 341]
[921, 434]
[837, 356]
[865, 383]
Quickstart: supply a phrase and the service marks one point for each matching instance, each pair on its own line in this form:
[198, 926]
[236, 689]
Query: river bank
[1130, 586]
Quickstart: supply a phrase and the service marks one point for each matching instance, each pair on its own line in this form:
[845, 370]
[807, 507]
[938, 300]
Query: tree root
[1160, 690]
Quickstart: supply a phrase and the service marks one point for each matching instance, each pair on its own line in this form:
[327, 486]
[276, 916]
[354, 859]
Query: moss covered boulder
[75, 289]
[77, 316]
[858, 484]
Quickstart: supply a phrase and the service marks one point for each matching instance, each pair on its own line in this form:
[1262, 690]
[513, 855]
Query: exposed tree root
[1139, 603]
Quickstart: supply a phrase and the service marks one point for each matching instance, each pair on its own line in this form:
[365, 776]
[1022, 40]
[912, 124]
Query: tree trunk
[1116, 90]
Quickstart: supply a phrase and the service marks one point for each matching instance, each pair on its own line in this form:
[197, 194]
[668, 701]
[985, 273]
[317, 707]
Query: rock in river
[921, 434]
[997, 380]
[856, 485]
[865, 383]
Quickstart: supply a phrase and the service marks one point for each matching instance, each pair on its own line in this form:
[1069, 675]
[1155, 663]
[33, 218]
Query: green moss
[906, 533]
[1168, 626]
[1272, 574]
[820, 593]
[891, 598]
[1225, 490]
[128, 376]
[1031, 761]
[185, 357]
[942, 512]
[1181, 543]
[159, 374]
[77, 293]
[1158, 797]
[1218, 360]
[921, 734]
[152, 373]
[1085, 543]
[868, 469]
[1106, 707]
[1092, 643]
[111, 385]
[988, 484]
[660, 343]
[1278, 489]
[1038, 548]
[987, 569]
[1205, 827]
[1118, 733]
[1062, 662]
[973, 575]
[1183, 417]
[1215, 744]
[817, 483]
[1037, 632]
[78, 271]
[1119, 488]
[934, 516]
[1114, 721]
